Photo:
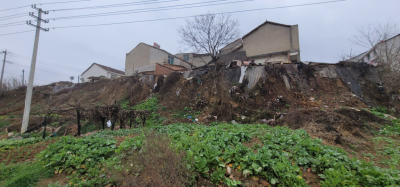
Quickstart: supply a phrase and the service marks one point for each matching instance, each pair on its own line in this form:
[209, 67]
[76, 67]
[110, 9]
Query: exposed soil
[60, 178]
[312, 179]
[350, 131]
[252, 142]
[25, 153]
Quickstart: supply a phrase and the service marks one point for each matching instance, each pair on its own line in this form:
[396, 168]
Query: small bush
[155, 164]
[23, 174]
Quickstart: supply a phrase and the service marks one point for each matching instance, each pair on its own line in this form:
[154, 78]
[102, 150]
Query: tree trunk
[112, 124]
[78, 118]
[103, 121]
[44, 126]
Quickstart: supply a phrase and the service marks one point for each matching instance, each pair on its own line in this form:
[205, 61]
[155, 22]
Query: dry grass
[156, 164]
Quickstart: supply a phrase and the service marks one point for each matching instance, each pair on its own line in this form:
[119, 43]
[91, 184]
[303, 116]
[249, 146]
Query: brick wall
[161, 70]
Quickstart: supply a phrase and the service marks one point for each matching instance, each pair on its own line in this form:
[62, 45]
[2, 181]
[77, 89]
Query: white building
[386, 51]
[97, 70]
[144, 59]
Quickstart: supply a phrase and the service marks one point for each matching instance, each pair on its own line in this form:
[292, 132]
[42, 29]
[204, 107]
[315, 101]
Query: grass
[22, 174]
[4, 123]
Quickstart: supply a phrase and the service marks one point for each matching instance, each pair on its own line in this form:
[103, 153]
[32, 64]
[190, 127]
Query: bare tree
[11, 83]
[208, 33]
[383, 42]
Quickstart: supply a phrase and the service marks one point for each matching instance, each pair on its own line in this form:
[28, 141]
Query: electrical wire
[151, 9]
[47, 81]
[15, 8]
[13, 17]
[163, 19]
[12, 25]
[116, 5]
[15, 22]
[38, 69]
[47, 63]
[16, 33]
[62, 2]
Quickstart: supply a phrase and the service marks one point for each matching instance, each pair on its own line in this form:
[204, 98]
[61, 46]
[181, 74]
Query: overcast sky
[324, 30]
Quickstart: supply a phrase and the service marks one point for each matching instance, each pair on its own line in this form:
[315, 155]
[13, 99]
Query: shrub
[155, 164]
[79, 154]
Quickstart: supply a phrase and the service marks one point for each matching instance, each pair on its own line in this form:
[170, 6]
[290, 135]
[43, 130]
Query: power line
[16, 32]
[47, 81]
[38, 69]
[163, 19]
[151, 9]
[48, 63]
[13, 17]
[15, 8]
[62, 2]
[12, 25]
[116, 5]
[44, 4]
[16, 22]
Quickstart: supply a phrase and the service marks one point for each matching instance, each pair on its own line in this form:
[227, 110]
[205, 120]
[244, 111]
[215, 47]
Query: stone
[264, 183]
[389, 116]
[228, 171]
[234, 122]
[234, 105]
[10, 134]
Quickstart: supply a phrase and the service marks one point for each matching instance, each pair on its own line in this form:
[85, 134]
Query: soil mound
[344, 128]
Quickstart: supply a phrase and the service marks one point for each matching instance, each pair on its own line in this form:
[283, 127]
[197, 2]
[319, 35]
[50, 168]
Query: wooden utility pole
[23, 73]
[28, 97]
[2, 71]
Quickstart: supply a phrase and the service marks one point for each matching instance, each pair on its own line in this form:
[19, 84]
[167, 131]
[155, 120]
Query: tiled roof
[169, 54]
[107, 69]
[173, 67]
[269, 22]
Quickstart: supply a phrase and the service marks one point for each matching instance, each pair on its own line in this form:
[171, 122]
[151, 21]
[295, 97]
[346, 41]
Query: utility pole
[23, 73]
[2, 71]
[28, 97]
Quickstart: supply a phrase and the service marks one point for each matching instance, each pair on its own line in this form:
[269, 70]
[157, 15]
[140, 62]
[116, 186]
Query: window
[186, 58]
[113, 76]
[170, 59]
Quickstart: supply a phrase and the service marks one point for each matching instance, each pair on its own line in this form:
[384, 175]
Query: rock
[165, 122]
[234, 105]
[389, 116]
[10, 134]
[234, 122]
[17, 138]
[228, 171]
[263, 182]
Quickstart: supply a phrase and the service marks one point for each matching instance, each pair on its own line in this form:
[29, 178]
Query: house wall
[138, 57]
[271, 58]
[158, 56]
[198, 61]
[180, 55]
[271, 38]
[232, 46]
[95, 71]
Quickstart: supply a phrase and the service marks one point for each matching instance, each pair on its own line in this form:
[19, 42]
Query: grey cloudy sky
[324, 31]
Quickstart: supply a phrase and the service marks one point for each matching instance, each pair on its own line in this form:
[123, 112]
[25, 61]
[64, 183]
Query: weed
[23, 174]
